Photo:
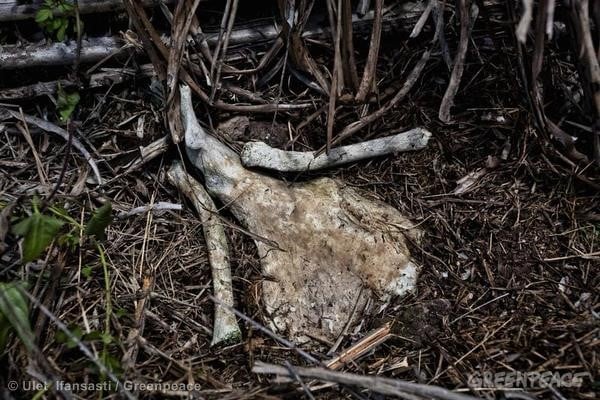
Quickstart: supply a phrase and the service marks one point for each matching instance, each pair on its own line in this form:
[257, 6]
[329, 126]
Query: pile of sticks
[204, 59]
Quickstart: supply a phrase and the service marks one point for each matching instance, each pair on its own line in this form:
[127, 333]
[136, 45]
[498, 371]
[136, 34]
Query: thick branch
[15, 10]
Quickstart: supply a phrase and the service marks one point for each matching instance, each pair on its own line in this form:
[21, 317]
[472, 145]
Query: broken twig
[377, 384]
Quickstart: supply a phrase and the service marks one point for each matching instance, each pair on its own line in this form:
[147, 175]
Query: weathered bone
[260, 154]
[226, 329]
[324, 248]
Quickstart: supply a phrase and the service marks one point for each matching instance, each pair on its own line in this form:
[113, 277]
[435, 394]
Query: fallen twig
[156, 207]
[148, 153]
[57, 130]
[259, 154]
[184, 13]
[360, 348]
[226, 328]
[368, 77]
[411, 79]
[36, 55]
[376, 384]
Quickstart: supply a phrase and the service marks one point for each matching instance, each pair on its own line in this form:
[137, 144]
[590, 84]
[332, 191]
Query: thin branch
[376, 384]
[368, 77]
[406, 87]
[51, 128]
[459, 64]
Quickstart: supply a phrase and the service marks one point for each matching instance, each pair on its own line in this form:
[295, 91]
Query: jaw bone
[324, 248]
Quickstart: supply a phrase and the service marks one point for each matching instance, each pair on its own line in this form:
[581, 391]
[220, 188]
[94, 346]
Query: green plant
[66, 103]
[38, 231]
[55, 17]
[14, 314]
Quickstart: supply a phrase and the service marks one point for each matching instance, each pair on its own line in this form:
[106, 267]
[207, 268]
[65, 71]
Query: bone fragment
[259, 154]
[226, 329]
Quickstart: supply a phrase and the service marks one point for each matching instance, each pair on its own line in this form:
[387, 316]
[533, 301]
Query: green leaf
[69, 240]
[4, 331]
[107, 338]
[100, 220]
[55, 24]
[86, 272]
[42, 15]
[38, 231]
[68, 7]
[14, 309]
[93, 336]
[60, 36]
[66, 103]
[70, 341]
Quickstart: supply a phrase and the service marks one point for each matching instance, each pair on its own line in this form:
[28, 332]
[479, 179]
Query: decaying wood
[95, 49]
[369, 342]
[376, 384]
[16, 10]
[320, 242]
[259, 154]
[225, 328]
[35, 55]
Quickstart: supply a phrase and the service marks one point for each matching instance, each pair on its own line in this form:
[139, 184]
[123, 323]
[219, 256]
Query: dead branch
[159, 207]
[93, 49]
[369, 342]
[411, 79]
[179, 32]
[15, 10]
[368, 77]
[459, 64]
[259, 154]
[376, 384]
[222, 45]
[349, 66]
[422, 19]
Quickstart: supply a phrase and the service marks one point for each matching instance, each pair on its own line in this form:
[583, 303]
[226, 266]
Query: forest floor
[510, 258]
